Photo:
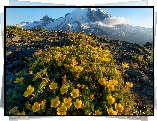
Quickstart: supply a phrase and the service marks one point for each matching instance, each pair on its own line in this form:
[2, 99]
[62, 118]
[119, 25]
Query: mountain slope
[92, 21]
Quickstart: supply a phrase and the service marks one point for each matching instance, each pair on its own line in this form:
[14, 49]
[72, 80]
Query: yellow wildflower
[117, 72]
[125, 65]
[78, 85]
[73, 61]
[61, 110]
[92, 97]
[113, 82]
[129, 84]
[110, 99]
[103, 81]
[75, 93]
[103, 69]
[42, 103]
[55, 102]
[59, 63]
[53, 85]
[78, 69]
[106, 59]
[98, 112]
[19, 80]
[110, 87]
[119, 107]
[23, 113]
[64, 78]
[82, 86]
[36, 107]
[111, 111]
[78, 103]
[107, 51]
[67, 102]
[64, 89]
[29, 91]
[125, 89]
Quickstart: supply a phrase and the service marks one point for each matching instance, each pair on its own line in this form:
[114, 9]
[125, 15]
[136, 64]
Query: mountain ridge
[94, 21]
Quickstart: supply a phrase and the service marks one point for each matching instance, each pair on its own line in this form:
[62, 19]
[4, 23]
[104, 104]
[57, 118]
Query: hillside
[21, 44]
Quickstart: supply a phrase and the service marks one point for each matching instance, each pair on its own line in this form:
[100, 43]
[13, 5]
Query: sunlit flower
[117, 72]
[102, 69]
[55, 102]
[129, 84]
[61, 110]
[29, 91]
[110, 87]
[110, 99]
[103, 81]
[107, 51]
[78, 103]
[119, 107]
[75, 93]
[73, 61]
[92, 97]
[59, 63]
[78, 85]
[64, 78]
[82, 86]
[64, 89]
[114, 82]
[23, 113]
[53, 85]
[36, 107]
[98, 112]
[111, 111]
[67, 102]
[42, 103]
[125, 65]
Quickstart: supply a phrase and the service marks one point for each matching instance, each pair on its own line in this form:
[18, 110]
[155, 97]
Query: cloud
[110, 22]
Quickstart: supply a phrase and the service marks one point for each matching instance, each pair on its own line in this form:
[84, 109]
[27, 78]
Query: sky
[133, 16]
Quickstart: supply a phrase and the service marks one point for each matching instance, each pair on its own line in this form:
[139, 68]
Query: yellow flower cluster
[29, 91]
[19, 80]
[75, 93]
[64, 89]
[109, 84]
[119, 107]
[61, 110]
[110, 99]
[111, 111]
[98, 112]
[55, 102]
[125, 65]
[67, 102]
[22, 113]
[78, 104]
[36, 107]
[53, 85]
[129, 84]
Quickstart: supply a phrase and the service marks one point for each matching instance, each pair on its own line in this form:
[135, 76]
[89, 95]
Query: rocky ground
[140, 73]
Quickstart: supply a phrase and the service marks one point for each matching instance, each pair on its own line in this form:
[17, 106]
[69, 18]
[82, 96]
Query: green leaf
[35, 78]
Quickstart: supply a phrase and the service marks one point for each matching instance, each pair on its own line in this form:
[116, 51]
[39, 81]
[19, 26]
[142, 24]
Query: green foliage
[79, 78]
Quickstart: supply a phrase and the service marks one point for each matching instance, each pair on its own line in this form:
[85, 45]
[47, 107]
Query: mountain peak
[46, 17]
[94, 9]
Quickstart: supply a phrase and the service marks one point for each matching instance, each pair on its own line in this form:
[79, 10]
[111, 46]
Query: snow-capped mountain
[90, 21]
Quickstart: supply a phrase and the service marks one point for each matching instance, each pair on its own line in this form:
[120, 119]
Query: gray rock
[10, 66]
[8, 72]
[17, 63]
[140, 75]
[9, 77]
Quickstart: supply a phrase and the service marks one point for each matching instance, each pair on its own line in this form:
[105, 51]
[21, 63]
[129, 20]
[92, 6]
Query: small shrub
[77, 79]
